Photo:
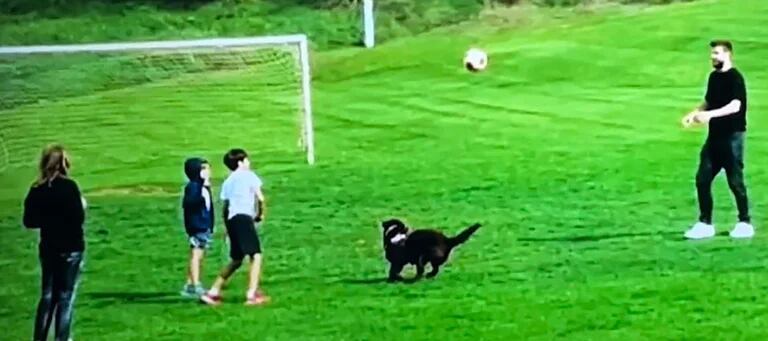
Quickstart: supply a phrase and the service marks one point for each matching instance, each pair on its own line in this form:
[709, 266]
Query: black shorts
[243, 239]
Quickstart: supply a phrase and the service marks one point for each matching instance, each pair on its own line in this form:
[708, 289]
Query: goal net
[144, 107]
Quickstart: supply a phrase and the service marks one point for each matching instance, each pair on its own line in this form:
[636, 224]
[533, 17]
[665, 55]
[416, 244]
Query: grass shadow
[600, 237]
[137, 297]
[380, 280]
[377, 280]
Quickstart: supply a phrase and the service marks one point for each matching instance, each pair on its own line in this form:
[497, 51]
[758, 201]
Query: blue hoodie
[197, 217]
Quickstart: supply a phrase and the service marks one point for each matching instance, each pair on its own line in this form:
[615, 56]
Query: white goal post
[239, 45]
[369, 28]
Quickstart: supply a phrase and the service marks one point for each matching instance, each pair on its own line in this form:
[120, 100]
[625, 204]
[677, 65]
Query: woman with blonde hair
[55, 206]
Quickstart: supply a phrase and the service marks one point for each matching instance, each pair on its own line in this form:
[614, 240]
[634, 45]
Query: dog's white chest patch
[398, 238]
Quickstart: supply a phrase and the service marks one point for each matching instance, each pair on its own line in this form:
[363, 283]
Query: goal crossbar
[307, 136]
[155, 45]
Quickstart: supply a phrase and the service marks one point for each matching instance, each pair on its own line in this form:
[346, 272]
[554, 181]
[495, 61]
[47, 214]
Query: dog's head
[395, 231]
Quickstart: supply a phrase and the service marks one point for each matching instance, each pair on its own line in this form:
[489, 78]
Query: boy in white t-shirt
[243, 207]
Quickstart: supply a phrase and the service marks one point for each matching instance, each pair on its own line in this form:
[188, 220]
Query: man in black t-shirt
[725, 110]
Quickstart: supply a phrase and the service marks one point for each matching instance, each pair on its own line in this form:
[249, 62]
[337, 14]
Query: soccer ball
[475, 60]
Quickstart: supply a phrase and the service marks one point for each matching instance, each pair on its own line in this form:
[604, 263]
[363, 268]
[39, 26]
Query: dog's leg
[420, 267]
[435, 270]
[394, 272]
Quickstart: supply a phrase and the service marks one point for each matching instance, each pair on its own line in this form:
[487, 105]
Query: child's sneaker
[199, 291]
[192, 291]
[209, 299]
[188, 291]
[257, 299]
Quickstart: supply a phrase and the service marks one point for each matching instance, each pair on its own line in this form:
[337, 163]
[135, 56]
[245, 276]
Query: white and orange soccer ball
[475, 60]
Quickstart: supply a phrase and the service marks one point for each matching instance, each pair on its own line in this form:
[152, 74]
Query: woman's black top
[56, 208]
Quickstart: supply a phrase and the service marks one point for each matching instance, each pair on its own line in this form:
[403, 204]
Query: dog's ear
[390, 222]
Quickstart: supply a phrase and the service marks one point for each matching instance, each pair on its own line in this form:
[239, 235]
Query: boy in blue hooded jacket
[198, 220]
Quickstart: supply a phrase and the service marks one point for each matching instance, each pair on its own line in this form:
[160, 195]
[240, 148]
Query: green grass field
[568, 149]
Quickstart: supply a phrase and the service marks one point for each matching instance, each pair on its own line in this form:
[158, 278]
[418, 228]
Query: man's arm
[692, 117]
[737, 92]
[689, 118]
[729, 109]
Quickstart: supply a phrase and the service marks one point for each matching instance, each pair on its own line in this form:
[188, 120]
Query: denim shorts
[200, 240]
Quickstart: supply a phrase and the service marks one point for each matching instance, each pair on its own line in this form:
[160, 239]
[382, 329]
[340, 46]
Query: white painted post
[368, 23]
[309, 130]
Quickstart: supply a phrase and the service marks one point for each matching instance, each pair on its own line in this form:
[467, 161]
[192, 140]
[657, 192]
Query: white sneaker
[700, 231]
[743, 230]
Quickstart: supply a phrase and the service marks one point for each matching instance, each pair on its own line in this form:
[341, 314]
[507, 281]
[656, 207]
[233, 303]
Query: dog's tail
[463, 236]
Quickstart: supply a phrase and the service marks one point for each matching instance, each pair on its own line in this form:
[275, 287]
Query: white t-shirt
[240, 190]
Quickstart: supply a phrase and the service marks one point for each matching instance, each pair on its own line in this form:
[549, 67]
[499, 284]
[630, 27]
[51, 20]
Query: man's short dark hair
[724, 43]
[233, 157]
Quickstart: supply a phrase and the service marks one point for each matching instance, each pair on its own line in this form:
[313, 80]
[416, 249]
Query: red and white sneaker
[257, 299]
[210, 299]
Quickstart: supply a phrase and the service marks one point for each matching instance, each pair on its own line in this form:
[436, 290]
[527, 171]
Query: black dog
[418, 247]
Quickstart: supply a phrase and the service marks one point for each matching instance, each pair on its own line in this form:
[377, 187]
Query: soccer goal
[130, 104]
